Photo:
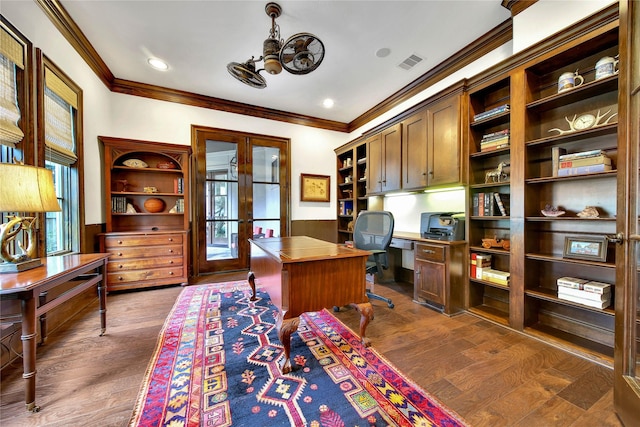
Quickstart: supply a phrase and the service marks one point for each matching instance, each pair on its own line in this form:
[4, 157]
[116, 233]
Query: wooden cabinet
[444, 148]
[438, 275]
[414, 151]
[352, 190]
[147, 213]
[384, 160]
[526, 103]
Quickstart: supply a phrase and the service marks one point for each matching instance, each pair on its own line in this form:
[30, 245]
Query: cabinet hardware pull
[171, 273]
[171, 262]
[616, 238]
[635, 237]
[428, 251]
[120, 278]
[170, 251]
[170, 239]
[119, 242]
[120, 266]
[119, 253]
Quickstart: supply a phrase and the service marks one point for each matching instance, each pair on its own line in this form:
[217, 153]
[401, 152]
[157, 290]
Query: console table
[303, 274]
[23, 291]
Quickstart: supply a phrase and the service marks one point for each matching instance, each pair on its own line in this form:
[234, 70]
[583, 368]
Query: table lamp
[23, 188]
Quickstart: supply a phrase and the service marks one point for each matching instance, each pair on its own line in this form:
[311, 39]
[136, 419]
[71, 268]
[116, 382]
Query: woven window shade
[11, 57]
[59, 102]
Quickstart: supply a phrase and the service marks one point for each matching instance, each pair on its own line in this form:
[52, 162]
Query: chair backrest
[373, 230]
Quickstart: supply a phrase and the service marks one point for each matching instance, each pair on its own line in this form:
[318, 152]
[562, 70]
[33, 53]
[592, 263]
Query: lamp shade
[26, 188]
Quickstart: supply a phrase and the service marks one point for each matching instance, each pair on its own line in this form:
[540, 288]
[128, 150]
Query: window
[60, 150]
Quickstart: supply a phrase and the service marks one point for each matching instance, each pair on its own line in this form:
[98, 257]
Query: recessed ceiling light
[328, 103]
[158, 64]
[383, 52]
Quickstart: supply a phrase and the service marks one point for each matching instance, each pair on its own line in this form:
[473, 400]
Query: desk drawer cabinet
[438, 275]
[141, 259]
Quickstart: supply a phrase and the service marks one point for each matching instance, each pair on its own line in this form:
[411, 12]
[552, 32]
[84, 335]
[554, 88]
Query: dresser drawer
[111, 242]
[115, 265]
[430, 252]
[144, 252]
[116, 278]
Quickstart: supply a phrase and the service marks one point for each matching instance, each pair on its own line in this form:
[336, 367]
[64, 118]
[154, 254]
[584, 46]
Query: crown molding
[74, 35]
[517, 6]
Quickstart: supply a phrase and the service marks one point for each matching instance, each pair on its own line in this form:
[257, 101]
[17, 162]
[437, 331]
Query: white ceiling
[199, 38]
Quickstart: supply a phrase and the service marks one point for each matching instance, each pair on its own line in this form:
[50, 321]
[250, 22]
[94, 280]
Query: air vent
[410, 62]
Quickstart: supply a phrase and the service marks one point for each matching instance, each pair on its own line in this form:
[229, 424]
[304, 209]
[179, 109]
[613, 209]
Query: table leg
[285, 328]
[251, 278]
[102, 297]
[366, 315]
[29, 351]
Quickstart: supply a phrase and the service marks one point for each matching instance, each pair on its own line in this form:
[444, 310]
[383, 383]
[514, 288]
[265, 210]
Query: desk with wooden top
[23, 291]
[303, 274]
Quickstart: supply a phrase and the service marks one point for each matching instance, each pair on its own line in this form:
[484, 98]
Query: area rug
[216, 364]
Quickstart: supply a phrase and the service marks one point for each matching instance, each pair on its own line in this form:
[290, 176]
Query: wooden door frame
[244, 179]
[626, 382]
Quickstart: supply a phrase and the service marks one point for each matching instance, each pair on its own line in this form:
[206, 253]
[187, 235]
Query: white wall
[119, 115]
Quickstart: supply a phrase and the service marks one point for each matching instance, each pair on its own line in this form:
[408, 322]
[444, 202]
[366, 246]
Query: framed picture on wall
[314, 188]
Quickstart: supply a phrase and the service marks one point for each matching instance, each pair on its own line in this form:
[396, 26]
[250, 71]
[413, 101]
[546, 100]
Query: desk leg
[29, 352]
[102, 297]
[366, 315]
[285, 328]
[251, 278]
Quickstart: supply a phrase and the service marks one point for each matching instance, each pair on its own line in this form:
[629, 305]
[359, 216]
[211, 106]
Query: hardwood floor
[488, 374]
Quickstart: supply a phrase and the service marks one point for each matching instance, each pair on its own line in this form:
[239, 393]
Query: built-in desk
[438, 270]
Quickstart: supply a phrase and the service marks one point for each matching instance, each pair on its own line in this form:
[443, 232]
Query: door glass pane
[221, 200]
[266, 191]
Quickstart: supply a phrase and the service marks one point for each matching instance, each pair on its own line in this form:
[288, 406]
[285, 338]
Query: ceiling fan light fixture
[300, 54]
[271, 49]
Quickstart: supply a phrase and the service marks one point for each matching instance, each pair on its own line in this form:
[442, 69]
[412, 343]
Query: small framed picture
[314, 188]
[587, 248]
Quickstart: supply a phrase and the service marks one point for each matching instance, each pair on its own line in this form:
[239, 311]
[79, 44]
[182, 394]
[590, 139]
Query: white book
[584, 294]
[587, 302]
[597, 287]
[571, 282]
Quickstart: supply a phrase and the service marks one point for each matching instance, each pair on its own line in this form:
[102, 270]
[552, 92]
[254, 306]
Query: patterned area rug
[216, 364]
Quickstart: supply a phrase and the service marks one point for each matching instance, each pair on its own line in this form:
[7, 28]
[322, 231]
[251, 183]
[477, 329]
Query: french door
[627, 341]
[240, 193]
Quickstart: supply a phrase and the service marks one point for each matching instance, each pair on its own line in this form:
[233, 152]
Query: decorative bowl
[135, 163]
[154, 205]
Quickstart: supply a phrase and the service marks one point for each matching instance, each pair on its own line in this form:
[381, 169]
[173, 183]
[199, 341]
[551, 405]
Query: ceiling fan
[299, 54]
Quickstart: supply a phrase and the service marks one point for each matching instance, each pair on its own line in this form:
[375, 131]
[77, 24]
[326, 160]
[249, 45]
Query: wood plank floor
[488, 374]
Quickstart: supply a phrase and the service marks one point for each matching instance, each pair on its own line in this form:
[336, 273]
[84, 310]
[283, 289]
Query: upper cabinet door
[414, 151]
[443, 142]
[392, 149]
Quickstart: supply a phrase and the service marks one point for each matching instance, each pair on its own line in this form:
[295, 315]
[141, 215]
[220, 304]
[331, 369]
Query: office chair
[372, 232]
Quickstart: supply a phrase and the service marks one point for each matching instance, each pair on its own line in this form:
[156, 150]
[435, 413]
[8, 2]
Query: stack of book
[118, 204]
[496, 276]
[479, 263]
[494, 140]
[180, 205]
[178, 185]
[492, 112]
[490, 204]
[590, 293]
[581, 163]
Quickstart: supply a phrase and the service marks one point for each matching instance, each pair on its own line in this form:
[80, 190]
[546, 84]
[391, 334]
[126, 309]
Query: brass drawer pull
[428, 251]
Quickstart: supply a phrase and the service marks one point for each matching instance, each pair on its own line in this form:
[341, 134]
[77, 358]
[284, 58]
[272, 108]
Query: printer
[445, 226]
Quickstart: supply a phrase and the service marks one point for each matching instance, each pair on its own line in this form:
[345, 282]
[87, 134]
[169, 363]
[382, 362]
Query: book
[583, 294]
[472, 265]
[587, 302]
[488, 204]
[597, 287]
[494, 147]
[480, 204]
[497, 134]
[556, 152]
[502, 200]
[583, 170]
[572, 156]
[585, 161]
[496, 276]
[571, 282]
[492, 112]
[483, 262]
[475, 204]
